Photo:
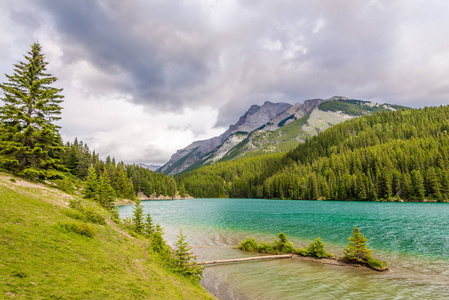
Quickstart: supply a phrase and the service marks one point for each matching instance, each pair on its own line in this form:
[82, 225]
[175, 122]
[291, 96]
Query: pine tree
[158, 243]
[106, 193]
[138, 221]
[185, 262]
[357, 249]
[92, 185]
[149, 226]
[30, 144]
[417, 185]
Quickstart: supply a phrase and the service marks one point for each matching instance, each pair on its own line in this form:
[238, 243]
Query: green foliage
[138, 219]
[392, 156]
[92, 213]
[151, 183]
[29, 142]
[376, 264]
[280, 245]
[149, 227]
[315, 249]
[82, 229]
[41, 260]
[184, 261]
[159, 245]
[92, 186]
[249, 245]
[75, 214]
[357, 250]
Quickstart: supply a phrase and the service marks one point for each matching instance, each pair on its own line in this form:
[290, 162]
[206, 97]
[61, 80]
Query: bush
[64, 185]
[265, 248]
[315, 249]
[249, 244]
[82, 229]
[115, 216]
[31, 174]
[92, 212]
[281, 245]
[74, 214]
[377, 264]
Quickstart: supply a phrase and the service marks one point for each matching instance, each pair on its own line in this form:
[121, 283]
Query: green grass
[376, 264]
[42, 256]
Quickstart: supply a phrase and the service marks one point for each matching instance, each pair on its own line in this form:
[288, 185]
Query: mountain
[272, 127]
[390, 156]
[149, 167]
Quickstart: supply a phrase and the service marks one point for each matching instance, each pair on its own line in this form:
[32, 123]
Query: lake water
[412, 237]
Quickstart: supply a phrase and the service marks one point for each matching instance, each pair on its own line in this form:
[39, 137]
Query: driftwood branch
[214, 262]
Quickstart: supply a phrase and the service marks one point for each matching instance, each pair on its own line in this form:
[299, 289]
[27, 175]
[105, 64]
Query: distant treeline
[384, 156]
[126, 180]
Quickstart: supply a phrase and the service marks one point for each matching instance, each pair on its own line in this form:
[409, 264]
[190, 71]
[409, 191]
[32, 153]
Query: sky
[144, 78]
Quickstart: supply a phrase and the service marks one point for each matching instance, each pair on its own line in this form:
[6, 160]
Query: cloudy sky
[144, 78]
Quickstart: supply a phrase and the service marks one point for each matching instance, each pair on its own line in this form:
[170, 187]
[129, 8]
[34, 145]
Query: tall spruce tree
[30, 144]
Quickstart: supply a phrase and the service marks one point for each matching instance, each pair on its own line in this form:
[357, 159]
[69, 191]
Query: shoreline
[143, 197]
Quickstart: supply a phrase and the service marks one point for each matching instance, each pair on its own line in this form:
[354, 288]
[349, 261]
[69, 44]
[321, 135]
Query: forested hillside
[126, 181]
[31, 146]
[384, 156]
[271, 128]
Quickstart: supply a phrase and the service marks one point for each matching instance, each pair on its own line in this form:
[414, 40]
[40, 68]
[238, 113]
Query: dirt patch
[35, 189]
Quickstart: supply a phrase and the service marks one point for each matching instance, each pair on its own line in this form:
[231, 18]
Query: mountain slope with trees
[271, 128]
[401, 155]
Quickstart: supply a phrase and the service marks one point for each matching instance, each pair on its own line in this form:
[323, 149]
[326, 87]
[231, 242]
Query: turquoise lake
[412, 237]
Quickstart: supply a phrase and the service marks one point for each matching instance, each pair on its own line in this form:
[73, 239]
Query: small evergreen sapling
[185, 261]
[138, 221]
[149, 226]
[158, 243]
[357, 249]
[282, 244]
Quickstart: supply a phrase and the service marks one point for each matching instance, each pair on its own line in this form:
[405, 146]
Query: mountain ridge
[271, 127]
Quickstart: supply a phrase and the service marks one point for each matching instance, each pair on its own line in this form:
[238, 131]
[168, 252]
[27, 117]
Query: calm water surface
[412, 237]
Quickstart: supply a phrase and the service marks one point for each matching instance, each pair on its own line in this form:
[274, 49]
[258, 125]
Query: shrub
[265, 248]
[12, 179]
[31, 174]
[282, 244]
[249, 244]
[377, 264]
[315, 249]
[115, 216]
[64, 185]
[82, 229]
[159, 245]
[74, 214]
[91, 211]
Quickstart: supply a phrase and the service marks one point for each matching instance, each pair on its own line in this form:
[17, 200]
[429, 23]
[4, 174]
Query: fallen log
[214, 262]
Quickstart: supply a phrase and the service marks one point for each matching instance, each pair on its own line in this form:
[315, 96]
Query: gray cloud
[228, 55]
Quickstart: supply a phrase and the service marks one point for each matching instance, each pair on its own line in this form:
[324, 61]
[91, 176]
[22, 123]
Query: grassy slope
[38, 260]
